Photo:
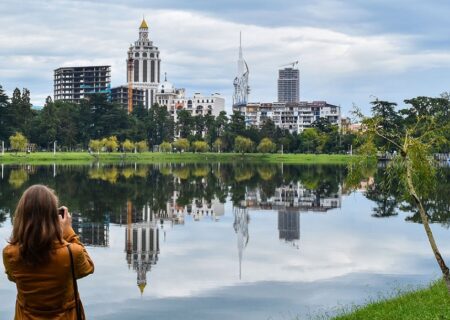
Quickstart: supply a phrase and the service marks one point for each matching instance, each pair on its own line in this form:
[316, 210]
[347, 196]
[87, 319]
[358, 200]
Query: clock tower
[146, 64]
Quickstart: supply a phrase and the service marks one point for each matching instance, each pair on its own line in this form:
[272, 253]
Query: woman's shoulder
[10, 251]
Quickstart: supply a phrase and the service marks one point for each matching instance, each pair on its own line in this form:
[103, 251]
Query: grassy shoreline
[157, 157]
[431, 303]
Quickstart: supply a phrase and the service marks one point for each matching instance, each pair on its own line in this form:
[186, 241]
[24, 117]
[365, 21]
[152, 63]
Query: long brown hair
[36, 224]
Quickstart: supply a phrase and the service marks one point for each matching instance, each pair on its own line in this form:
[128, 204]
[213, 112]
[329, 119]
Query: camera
[61, 212]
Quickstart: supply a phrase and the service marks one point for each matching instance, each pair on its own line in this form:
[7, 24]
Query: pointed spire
[165, 76]
[143, 23]
[141, 288]
[240, 45]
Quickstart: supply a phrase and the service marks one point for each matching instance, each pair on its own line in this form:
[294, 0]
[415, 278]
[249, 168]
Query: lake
[234, 241]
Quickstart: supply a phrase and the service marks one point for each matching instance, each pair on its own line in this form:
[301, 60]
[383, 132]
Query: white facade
[146, 65]
[294, 117]
[199, 104]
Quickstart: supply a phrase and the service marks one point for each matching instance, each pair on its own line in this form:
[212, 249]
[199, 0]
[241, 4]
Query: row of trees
[73, 126]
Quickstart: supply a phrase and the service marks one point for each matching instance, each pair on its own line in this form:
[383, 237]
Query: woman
[38, 260]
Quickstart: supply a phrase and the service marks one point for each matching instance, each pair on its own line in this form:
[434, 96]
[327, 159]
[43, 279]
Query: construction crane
[130, 67]
[293, 64]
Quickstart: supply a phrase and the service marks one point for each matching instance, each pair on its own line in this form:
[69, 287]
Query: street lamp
[54, 147]
[3, 148]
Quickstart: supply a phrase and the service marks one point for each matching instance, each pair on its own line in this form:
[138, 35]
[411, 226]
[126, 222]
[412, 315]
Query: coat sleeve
[6, 263]
[83, 263]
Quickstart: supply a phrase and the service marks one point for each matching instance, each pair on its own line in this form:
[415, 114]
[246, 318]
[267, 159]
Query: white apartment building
[199, 104]
[294, 117]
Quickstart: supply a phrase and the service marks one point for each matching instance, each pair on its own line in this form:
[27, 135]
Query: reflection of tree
[17, 178]
[384, 197]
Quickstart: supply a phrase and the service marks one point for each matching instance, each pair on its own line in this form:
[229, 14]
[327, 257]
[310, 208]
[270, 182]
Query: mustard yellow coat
[46, 292]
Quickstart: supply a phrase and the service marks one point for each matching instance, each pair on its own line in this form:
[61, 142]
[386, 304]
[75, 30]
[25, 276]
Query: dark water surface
[233, 241]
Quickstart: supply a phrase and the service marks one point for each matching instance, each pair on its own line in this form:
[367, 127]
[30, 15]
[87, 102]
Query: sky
[349, 51]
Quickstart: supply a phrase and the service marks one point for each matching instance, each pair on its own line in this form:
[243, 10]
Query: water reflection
[148, 201]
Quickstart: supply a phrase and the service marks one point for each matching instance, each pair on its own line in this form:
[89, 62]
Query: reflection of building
[240, 225]
[289, 226]
[294, 196]
[72, 84]
[142, 243]
[197, 208]
[91, 233]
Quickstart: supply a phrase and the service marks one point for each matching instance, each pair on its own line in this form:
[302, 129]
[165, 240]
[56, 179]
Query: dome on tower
[166, 87]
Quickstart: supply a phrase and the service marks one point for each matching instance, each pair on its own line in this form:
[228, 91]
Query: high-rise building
[72, 84]
[120, 95]
[146, 65]
[241, 86]
[289, 85]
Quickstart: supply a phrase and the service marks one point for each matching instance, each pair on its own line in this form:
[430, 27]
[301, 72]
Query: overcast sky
[349, 51]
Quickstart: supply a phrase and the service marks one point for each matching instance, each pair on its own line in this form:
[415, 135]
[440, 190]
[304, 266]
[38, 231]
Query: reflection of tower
[240, 225]
[142, 244]
[289, 226]
[241, 87]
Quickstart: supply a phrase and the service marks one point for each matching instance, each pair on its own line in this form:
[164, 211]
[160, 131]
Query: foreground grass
[432, 303]
[154, 157]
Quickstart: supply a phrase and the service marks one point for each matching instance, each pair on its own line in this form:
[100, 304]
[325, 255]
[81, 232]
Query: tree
[200, 146]
[185, 124]
[127, 145]
[165, 147]
[181, 144]
[141, 146]
[412, 170]
[218, 145]
[111, 144]
[242, 144]
[96, 145]
[309, 140]
[18, 142]
[266, 146]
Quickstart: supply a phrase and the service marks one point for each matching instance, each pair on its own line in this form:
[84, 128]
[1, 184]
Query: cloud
[342, 59]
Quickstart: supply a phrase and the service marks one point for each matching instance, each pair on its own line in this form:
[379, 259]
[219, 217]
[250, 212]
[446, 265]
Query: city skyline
[348, 53]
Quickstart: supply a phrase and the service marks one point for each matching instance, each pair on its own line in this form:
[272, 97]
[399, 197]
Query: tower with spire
[146, 66]
[241, 86]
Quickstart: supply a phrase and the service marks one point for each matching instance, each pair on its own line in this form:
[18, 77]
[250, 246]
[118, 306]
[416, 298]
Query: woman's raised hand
[66, 219]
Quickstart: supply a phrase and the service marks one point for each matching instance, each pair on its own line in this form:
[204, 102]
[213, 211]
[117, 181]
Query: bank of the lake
[155, 157]
[432, 303]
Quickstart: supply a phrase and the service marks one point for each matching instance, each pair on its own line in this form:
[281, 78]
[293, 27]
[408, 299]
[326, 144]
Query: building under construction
[72, 84]
[120, 95]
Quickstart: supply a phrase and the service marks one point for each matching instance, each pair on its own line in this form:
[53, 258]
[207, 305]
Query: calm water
[233, 241]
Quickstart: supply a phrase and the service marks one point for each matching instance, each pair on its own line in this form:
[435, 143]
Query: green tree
[242, 144]
[185, 124]
[218, 145]
[165, 147]
[181, 144]
[141, 146]
[200, 146]
[96, 145]
[266, 146]
[111, 144]
[18, 142]
[309, 140]
[128, 146]
[412, 170]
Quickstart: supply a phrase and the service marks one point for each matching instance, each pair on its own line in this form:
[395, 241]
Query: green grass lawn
[153, 157]
[432, 303]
